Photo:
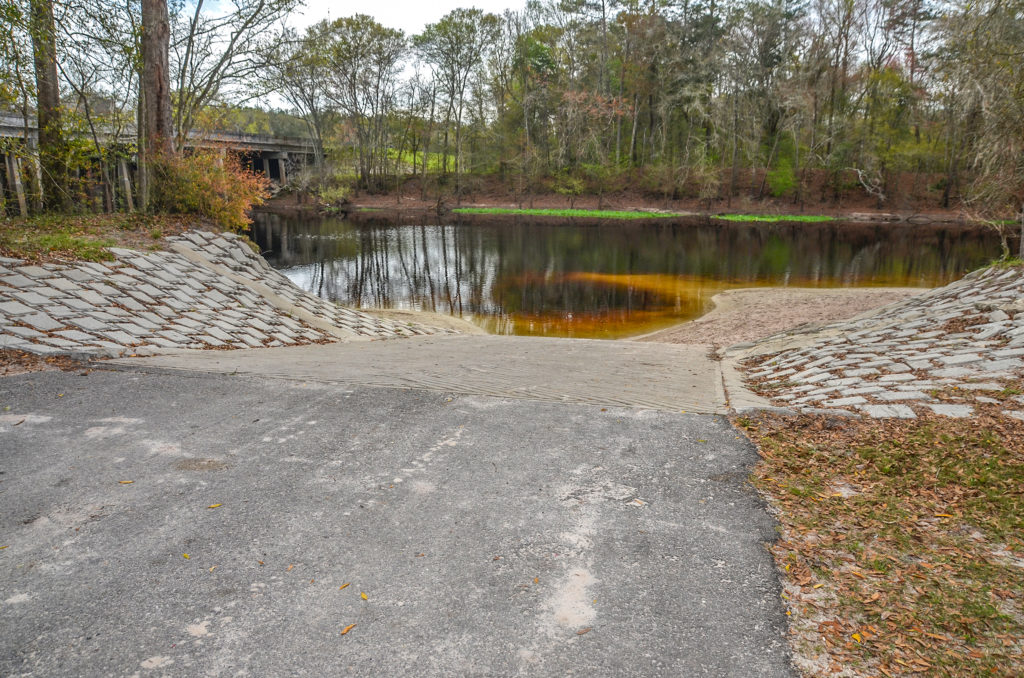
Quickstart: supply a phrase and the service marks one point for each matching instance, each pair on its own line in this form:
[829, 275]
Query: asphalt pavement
[197, 524]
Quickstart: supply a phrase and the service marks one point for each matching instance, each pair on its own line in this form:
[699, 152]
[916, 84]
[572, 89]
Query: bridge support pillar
[14, 172]
[126, 183]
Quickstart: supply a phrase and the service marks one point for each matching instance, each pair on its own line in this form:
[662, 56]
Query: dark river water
[606, 280]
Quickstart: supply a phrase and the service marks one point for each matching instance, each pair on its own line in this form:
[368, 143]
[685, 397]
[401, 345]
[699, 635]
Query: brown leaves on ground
[902, 544]
[64, 238]
[18, 362]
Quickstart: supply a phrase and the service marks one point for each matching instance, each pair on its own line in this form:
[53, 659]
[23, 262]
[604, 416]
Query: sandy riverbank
[738, 315]
[749, 314]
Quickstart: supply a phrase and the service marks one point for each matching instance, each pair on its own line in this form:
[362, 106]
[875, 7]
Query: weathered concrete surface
[487, 534]
[670, 377]
[966, 336]
[213, 291]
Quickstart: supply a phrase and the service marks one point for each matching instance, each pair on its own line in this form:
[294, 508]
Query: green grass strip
[771, 218]
[596, 214]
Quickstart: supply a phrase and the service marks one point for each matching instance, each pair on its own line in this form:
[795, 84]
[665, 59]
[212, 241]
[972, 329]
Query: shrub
[210, 185]
[334, 196]
[782, 180]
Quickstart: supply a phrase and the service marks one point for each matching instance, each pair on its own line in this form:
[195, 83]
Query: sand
[749, 314]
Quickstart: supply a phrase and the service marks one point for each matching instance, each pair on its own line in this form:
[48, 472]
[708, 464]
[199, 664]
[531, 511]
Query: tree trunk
[52, 147]
[155, 85]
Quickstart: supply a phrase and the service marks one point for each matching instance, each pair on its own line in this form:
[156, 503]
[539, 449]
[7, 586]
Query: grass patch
[56, 237]
[593, 214]
[435, 161]
[772, 218]
[1012, 262]
[901, 541]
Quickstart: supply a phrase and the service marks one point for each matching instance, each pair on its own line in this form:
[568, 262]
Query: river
[610, 279]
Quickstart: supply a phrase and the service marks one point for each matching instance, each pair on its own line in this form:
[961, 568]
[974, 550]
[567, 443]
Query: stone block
[23, 332]
[955, 372]
[32, 298]
[892, 378]
[92, 297]
[62, 343]
[982, 386]
[13, 308]
[119, 337]
[8, 341]
[34, 271]
[75, 335]
[17, 281]
[41, 321]
[88, 324]
[888, 411]
[901, 395]
[174, 336]
[951, 410]
[861, 372]
[845, 402]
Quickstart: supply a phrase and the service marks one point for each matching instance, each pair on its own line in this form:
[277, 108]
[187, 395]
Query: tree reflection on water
[606, 280]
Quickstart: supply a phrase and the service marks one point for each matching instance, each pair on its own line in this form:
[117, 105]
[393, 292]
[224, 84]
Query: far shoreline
[385, 206]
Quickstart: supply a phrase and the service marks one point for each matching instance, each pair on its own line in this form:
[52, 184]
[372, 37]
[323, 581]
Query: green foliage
[568, 185]
[334, 195]
[335, 188]
[209, 185]
[782, 180]
[594, 214]
[773, 218]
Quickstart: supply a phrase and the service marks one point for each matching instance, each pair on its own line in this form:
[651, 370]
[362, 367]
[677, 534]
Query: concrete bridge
[276, 157]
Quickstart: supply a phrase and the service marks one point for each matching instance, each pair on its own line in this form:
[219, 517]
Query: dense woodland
[896, 99]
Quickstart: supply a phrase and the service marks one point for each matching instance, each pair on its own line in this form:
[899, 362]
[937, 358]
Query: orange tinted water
[606, 281]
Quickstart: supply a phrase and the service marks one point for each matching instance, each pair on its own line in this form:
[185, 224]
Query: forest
[910, 102]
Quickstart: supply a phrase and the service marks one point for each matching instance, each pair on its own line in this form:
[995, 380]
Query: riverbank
[749, 314]
[205, 291]
[411, 202]
[415, 210]
[895, 470]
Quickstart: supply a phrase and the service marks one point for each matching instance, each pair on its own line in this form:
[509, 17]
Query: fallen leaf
[213, 568]
[347, 629]
[345, 585]
[3, 547]
[536, 580]
[364, 596]
[582, 631]
[420, 555]
[312, 581]
[125, 482]
[185, 556]
[289, 568]
[260, 562]
[214, 505]
[856, 637]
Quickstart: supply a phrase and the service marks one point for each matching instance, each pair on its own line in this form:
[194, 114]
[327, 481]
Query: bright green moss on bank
[592, 214]
[761, 218]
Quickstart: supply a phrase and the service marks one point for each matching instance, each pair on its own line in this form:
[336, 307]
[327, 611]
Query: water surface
[605, 280]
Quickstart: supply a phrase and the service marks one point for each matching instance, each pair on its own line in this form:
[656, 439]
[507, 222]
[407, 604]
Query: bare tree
[52, 145]
[216, 51]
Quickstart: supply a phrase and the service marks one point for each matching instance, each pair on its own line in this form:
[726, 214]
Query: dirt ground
[913, 199]
[19, 362]
[749, 314]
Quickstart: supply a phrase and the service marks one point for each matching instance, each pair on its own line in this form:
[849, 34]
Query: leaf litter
[917, 571]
